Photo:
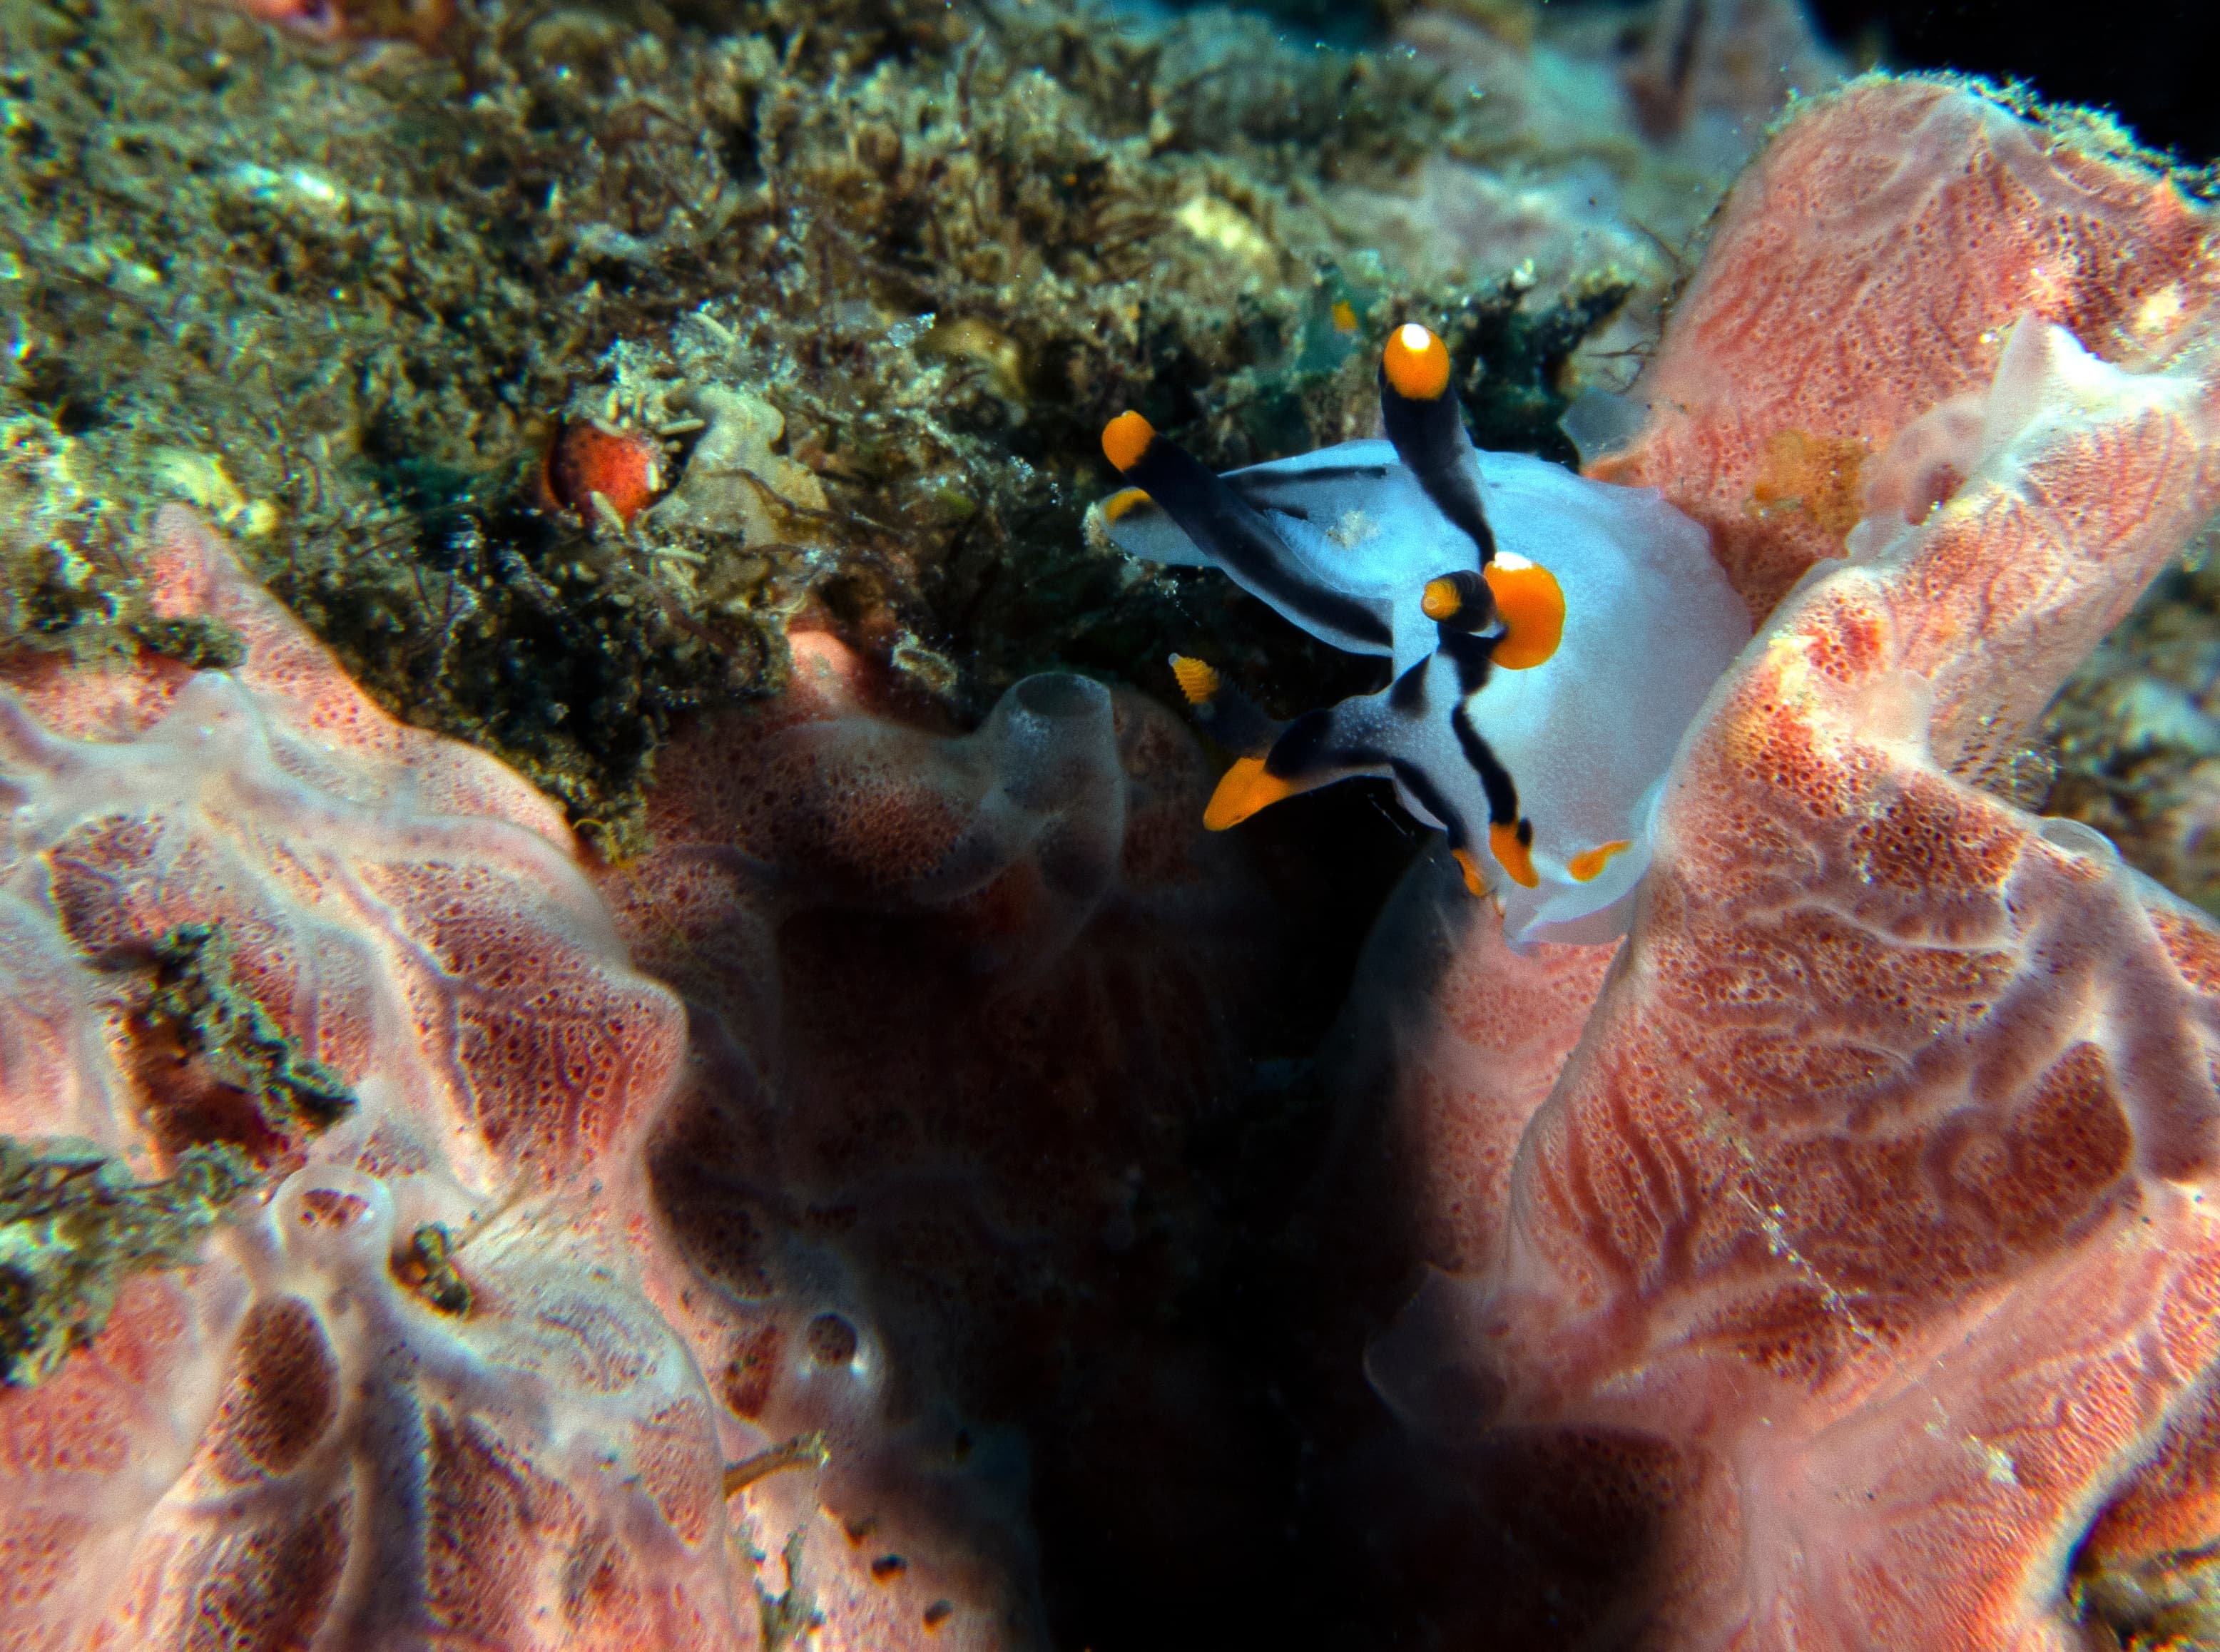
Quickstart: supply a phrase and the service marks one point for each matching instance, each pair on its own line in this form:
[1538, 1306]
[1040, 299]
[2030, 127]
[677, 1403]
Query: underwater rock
[1860, 1254]
[938, 244]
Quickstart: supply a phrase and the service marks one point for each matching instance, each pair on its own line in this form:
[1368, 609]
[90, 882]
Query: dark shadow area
[2143, 67]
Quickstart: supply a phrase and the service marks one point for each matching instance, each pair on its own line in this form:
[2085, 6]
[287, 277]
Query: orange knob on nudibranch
[1119, 503]
[1198, 680]
[1246, 788]
[1474, 879]
[1587, 866]
[1513, 845]
[1417, 362]
[1532, 607]
[1125, 439]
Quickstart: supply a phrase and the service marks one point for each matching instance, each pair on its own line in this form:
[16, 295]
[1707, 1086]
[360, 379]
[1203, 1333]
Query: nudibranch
[1551, 638]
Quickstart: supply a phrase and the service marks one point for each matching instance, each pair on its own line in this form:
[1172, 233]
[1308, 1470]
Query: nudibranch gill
[1551, 638]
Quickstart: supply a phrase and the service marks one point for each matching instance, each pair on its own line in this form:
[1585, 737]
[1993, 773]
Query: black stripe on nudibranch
[1420, 412]
[1257, 487]
[1302, 748]
[1306, 749]
[1473, 657]
[1428, 796]
[1494, 778]
[1228, 530]
[1408, 697]
[1510, 838]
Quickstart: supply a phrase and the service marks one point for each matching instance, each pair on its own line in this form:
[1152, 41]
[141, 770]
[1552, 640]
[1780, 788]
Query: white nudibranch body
[1551, 637]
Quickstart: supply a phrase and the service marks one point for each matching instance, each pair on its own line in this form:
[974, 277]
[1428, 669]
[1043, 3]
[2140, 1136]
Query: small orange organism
[1816, 475]
[602, 472]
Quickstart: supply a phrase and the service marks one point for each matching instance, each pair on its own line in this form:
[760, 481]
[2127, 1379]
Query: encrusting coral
[1859, 1255]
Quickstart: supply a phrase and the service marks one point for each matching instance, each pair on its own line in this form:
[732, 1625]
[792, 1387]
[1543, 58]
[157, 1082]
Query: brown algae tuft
[74, 1226]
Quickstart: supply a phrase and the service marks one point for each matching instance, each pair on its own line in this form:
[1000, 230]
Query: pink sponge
[1868, 269]
[1863, 1250]
[314, 1432]
[961, 1001]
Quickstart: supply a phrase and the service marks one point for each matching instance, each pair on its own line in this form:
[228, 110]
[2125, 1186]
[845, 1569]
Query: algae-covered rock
[343, 296]
[737, 480]
[2132, 743]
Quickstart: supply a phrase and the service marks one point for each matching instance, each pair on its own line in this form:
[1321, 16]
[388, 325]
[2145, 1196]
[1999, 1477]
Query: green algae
[74, 1227]
[343, 299]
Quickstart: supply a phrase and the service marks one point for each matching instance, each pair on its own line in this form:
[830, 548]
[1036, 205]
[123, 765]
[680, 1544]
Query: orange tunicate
[624, 466]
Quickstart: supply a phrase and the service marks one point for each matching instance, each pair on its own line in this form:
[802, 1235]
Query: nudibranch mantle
[1543, 751]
